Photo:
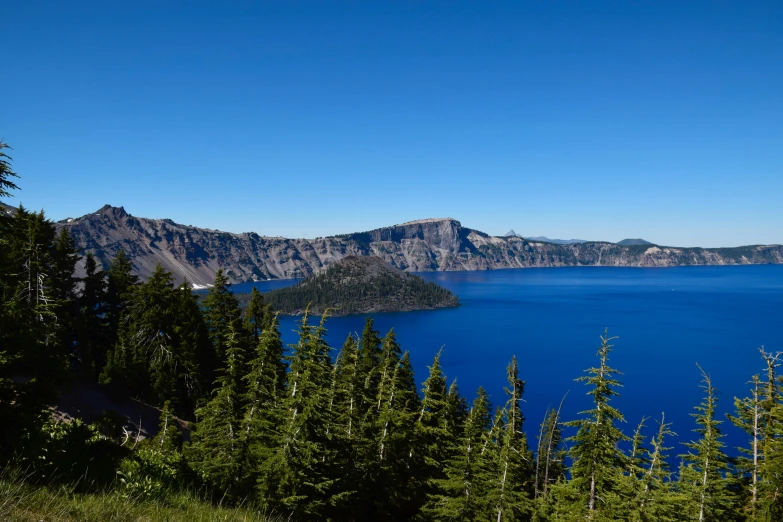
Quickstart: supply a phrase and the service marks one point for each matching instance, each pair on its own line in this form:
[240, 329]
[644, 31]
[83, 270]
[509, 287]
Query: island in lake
[360, 285]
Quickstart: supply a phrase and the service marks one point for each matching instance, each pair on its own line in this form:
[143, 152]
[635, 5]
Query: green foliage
[310, 437]
[354, 288]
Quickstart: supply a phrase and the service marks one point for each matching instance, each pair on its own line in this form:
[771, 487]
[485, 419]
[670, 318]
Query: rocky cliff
[424, 245]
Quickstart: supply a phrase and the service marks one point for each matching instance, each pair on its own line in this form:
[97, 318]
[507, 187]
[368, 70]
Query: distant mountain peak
[634, 241]
[511, 233]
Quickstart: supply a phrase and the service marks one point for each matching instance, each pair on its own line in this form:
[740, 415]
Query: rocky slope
[360, 285]
[424, 245]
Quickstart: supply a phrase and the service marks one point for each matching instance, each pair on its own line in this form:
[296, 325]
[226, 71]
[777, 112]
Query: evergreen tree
[169, 437]
[702, 478]
[597, 461]
[120, 282]
[255, 315]
[160, 342]
[301, 476]
[510, 489]
[192, 347]
[221, 309]
[6, 172]
[265, 385]
[464, 496]
[655, 500]
[214, 452]
[436, 444]
[93, 334]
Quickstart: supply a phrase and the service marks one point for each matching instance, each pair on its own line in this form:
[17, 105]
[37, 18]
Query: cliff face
[425, 245]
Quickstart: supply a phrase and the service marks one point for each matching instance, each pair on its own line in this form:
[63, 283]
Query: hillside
[424, 245]
[359, 285]
[634, 241]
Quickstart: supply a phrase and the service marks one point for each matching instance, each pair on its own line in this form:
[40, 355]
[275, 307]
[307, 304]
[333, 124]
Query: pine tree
[192, 348]
[655, 500]
[702, 478]
[464, 496]
[265, 385]
[749, 418]
[169, 437]
[597, 461]
[221, 309]
[6, 172]
[510, 489]
[92, 329]
[300, 477]
[435, 443]
[215, 449]
[120, 282]
[770, 481]
[255, 315]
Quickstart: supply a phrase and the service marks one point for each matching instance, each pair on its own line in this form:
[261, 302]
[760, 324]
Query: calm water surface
[667, 321]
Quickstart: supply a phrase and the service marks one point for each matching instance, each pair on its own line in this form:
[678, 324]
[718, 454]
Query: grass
[21, 501]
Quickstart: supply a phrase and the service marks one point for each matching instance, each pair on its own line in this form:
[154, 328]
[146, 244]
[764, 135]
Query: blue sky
[596, 120]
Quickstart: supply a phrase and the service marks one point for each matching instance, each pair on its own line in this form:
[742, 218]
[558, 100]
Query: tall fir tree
[703, 475]
[221, 309]
[214, 452]
[120, 281]
[510, 489]
[92, 328]
[597, 461]
[301, 476]
[265, 389]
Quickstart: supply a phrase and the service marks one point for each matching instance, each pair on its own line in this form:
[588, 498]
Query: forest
[359, 285]
[312, 432]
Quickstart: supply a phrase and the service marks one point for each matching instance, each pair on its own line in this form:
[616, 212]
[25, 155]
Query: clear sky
[590, 119]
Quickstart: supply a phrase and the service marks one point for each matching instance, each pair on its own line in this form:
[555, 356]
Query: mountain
[511, 233]
[632, 242]
[416, 246]
[360, 285]
[7, 209]
[558, 241]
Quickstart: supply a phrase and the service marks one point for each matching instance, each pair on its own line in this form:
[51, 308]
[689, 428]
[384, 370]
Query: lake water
[667, 320]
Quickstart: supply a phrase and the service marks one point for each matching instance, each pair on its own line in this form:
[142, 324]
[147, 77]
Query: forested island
[311, 432]
[360, 285]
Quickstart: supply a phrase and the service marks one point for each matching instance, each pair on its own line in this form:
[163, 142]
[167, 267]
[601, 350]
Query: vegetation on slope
[358, 285]
[313, 433]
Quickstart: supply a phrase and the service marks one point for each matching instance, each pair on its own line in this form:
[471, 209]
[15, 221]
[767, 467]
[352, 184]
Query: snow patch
[201, 287]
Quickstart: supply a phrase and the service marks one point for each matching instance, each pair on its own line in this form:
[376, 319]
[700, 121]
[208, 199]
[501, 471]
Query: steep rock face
[424, 245]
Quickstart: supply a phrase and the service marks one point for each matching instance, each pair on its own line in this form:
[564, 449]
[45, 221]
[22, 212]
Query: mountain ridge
[434, 244]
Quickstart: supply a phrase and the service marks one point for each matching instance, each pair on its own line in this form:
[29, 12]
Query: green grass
[21, 501]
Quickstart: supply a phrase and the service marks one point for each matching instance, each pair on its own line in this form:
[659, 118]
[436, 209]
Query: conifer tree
[221, 309]
[6, 172]
[464, 494]
[509, 491]
[265, 385]
[435, 443]
[749, 418]
[93, 335]
[120, 281]
[192, 348]
[169, 437]
[255, 315]
[300, 477]
[702, 478]
[215, 449]
[655, 500]
[597, 461]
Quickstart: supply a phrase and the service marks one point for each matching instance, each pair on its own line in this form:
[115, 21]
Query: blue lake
[667, 320]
